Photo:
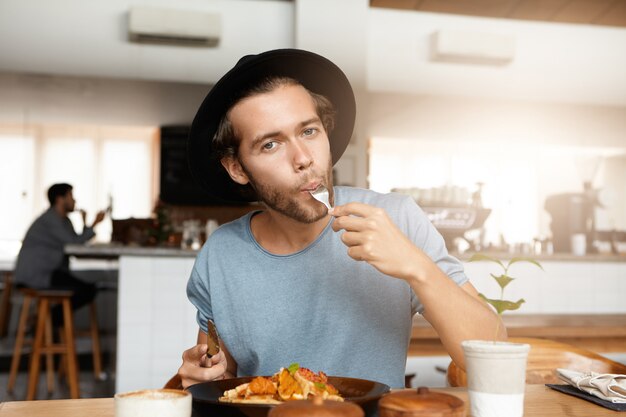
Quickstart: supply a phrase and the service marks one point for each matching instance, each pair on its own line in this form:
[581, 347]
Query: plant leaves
[532, 261]
[503, 305]
[293, 368]
[477, 257]
[503, 280]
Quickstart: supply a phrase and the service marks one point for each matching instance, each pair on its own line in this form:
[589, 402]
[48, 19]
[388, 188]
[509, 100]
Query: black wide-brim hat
[314, 72]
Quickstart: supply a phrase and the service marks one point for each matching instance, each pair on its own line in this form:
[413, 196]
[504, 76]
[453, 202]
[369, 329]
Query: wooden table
[595, 332]
[540, 401]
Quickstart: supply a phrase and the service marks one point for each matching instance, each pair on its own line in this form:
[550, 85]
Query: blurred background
[504, 119]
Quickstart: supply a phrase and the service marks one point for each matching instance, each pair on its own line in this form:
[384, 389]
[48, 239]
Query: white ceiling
[553, 62]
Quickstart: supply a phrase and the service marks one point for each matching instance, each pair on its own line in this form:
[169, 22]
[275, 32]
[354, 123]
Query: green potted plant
[496, 371]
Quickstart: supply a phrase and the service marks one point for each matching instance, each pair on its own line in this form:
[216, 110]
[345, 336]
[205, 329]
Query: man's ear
[234, 169]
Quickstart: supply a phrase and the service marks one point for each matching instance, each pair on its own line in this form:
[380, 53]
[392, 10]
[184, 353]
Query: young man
[42, 262]
[334, 291]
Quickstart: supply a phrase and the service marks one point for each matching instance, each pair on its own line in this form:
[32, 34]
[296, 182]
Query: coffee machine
[572, 213]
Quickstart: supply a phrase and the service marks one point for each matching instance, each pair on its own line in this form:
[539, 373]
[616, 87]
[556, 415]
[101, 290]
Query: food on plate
[292, 383]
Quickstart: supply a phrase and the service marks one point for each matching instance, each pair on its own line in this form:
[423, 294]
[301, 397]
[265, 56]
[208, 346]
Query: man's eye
[309, 131]
[269, 145]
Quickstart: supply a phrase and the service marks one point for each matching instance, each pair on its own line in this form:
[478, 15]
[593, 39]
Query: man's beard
[288, 206]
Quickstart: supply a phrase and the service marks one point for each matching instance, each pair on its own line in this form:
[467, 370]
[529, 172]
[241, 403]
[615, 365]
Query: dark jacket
[42, 250]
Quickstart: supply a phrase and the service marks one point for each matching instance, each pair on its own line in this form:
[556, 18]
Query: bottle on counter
[191, 235]
[210, 227]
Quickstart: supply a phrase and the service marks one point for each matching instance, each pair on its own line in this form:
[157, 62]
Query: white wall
[495, 120]
[78, 37]
[31, 98]
[338, 30]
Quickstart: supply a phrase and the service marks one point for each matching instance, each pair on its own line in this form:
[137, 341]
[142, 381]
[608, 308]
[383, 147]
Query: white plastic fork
[321, 195]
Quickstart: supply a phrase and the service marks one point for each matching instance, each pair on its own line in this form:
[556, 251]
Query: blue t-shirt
[318, 306]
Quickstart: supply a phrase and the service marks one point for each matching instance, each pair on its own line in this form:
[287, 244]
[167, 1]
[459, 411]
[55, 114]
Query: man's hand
[372, 237]
[197, 367]
[99, 217]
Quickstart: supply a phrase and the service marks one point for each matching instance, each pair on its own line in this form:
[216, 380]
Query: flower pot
[496, 377]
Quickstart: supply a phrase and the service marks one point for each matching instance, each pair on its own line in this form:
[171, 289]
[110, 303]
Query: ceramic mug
[153, 403]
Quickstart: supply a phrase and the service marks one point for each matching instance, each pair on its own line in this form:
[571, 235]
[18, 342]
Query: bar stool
[5, 302]
[43, 340]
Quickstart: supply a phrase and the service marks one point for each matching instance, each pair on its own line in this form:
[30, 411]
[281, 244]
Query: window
[17, 175]
[102, 163]
[517, 178]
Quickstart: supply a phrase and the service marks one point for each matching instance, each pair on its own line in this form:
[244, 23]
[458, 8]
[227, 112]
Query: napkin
[570, 390]
[609, 387]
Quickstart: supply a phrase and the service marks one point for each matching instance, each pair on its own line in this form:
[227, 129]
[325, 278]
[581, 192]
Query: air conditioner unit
[173, 27]
[472, 47]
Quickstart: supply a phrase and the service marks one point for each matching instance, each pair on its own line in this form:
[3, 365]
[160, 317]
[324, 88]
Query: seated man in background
[42, 263]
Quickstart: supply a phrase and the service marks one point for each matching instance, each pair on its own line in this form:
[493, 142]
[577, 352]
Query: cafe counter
[116, 250]
[155, 321]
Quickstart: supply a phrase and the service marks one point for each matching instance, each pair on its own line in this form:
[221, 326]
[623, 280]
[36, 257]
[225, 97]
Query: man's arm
[197, 367]
[455, 312]
[99, 217]
[459, 314]
[60, 230]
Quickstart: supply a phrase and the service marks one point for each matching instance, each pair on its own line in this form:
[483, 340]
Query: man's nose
[302, 157]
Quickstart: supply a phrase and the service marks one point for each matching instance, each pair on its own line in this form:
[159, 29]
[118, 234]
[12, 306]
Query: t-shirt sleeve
[424, 235]
[198, 289]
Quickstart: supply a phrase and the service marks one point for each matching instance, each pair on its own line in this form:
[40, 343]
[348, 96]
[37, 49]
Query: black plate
[205, 397]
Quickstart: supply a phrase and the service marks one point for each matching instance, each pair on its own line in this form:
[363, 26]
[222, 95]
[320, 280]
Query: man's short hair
[58, 190]
[226, 143]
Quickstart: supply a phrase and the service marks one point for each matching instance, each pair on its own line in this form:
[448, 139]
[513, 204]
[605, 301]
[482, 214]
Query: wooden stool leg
[62, 367]
[19, 343]
[33, 375]
[5, 304]
[72, 368]
[49, 356]
[95, 342]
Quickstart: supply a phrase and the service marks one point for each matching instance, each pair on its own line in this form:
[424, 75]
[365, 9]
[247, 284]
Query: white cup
[579, 244]
[153, 403]
[496, 377]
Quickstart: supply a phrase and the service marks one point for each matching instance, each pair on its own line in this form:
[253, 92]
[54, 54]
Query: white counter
[155, 321]
[562, 287]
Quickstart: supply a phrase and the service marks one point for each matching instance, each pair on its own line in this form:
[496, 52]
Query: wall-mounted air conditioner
[469, 47]
[173, 27]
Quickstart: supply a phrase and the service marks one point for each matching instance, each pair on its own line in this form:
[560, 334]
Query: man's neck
[282, 235]
[60, 210]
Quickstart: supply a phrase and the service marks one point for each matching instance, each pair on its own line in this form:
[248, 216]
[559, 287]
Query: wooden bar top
[539, 401]
[596, 332]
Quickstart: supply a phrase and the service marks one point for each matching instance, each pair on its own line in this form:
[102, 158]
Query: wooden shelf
[596, 332]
